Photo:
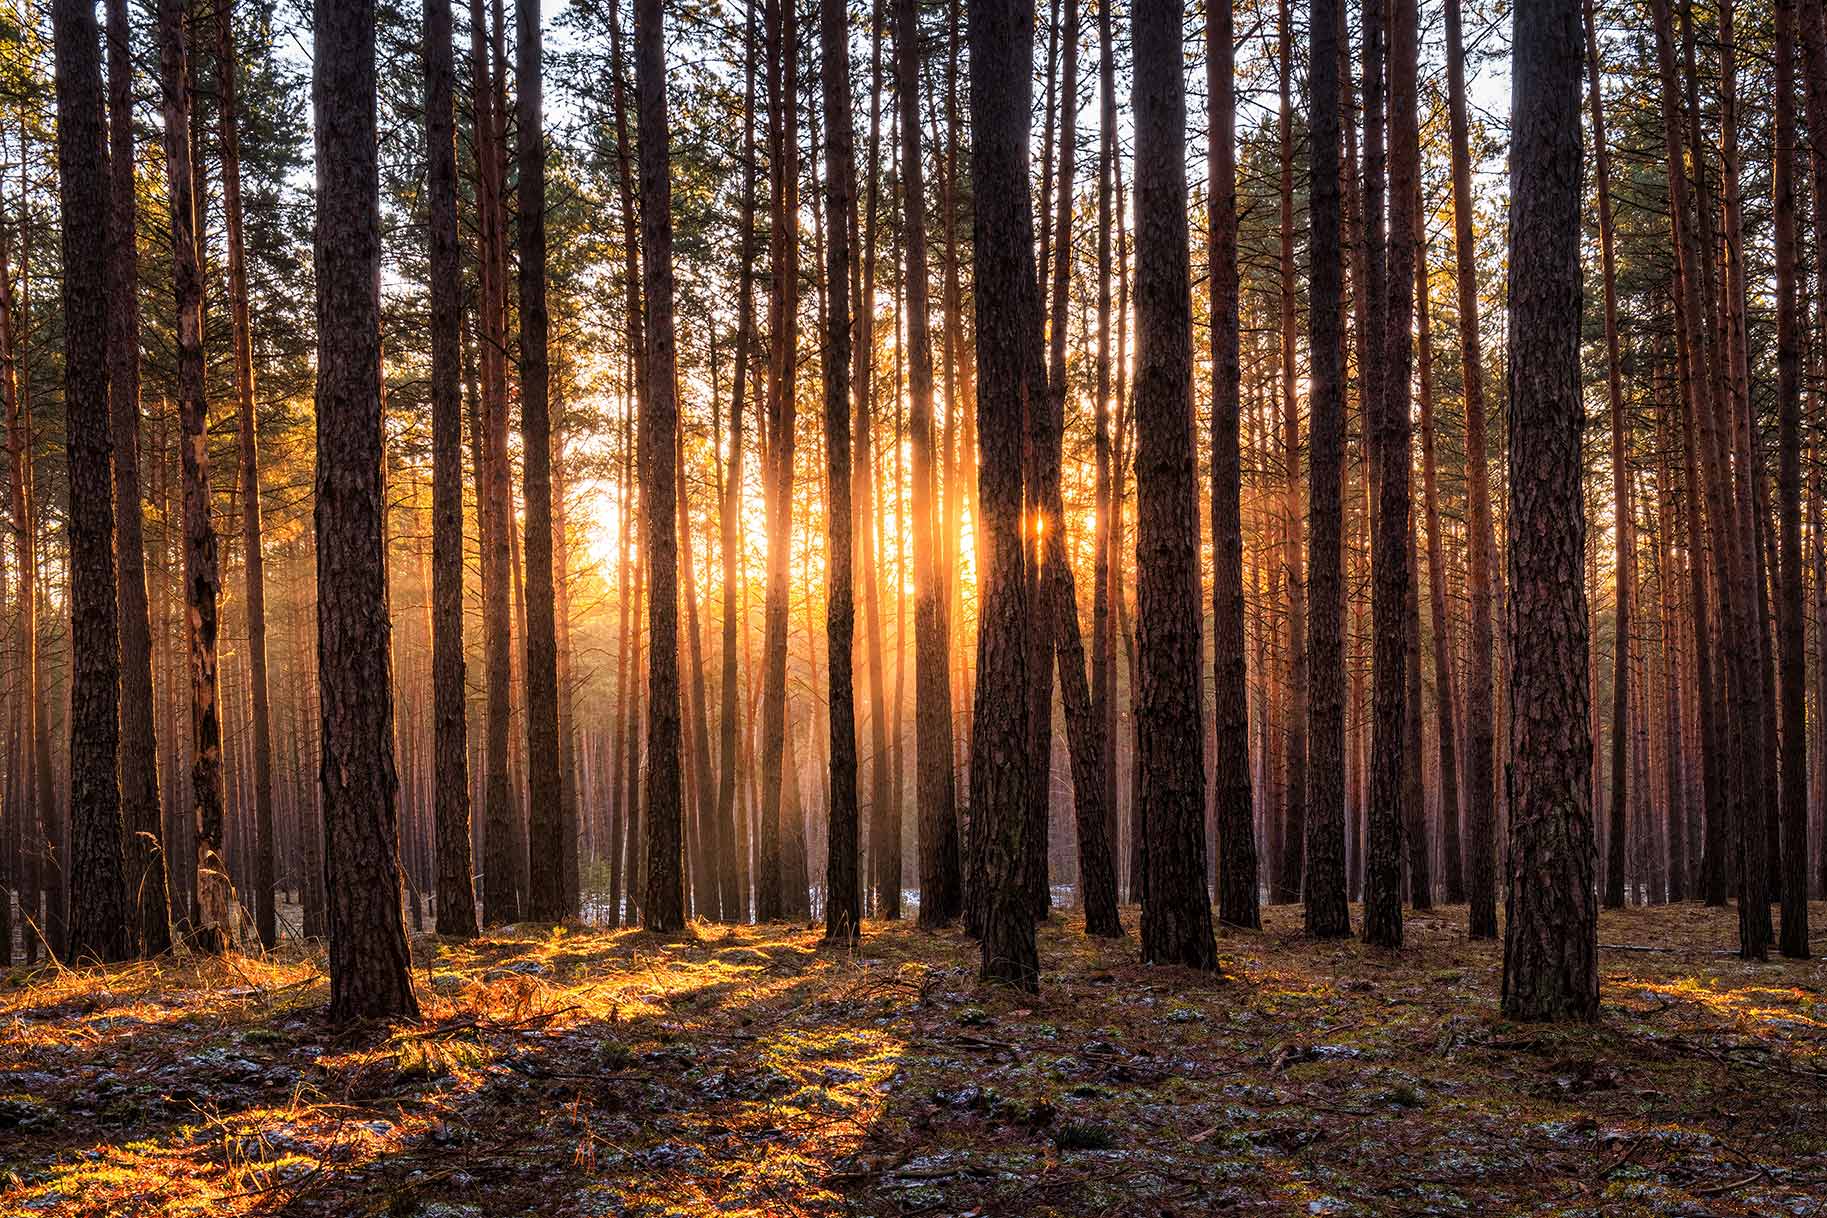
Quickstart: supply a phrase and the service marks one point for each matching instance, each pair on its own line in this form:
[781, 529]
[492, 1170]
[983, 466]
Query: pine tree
[101, 925]
[1551, 931]
[370, 967]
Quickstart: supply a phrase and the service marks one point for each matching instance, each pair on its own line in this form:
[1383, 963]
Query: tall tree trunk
[1389, 436]
[139, 756]
[213, 898]
[546, 828]
[783, 340]
[1176, 919]
[843, 890]
[1551, 932]
[370, 968]
[664, 907]
[101, 925]
[1794, 877]
[935, 790]
[1326, 912]
[265, 916]
[501, 858]
[1008, 370]
[450, 781]
[1625, 577]
[1290, 864]
[733, 861]
[1104, 579]
[1480, 769]
[1445, 679]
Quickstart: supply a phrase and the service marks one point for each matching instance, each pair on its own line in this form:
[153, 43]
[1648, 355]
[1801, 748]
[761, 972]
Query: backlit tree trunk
[141, 814]
[1326, 911]
[450, 774]
[1176, 919]
[213, 898]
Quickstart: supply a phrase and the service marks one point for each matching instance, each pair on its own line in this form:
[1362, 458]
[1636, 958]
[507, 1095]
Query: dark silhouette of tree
[1326, 910]
[664, 907]
[141, 815]
[1176, 919]
[1009, 378]
[450, 765]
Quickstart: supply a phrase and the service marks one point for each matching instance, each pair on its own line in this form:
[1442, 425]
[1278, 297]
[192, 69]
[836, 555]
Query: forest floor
[749, 1070]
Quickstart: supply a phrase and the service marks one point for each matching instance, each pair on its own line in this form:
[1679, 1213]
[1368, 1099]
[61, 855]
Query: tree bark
[843, 891]
[1551, 931]
[1291, 863]
[101, 922]
[1008, 367]
[450, 777]
[1481, 755]
[546, 828]
[1793, 676]
[213, 898]
[370, 967]
[1176, 919]
[1327, 914]
[139, 759]
[936, 792]
[664, 906]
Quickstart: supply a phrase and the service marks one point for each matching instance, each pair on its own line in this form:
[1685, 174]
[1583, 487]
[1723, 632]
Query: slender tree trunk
[664, 907]
[227, 89]
[1480, 770]
[733, 862]
[783, 332]
[370, 968]
[936, 794]
[1551, 932]
[139, 757]
[1291, 863]
[1445, 679]
[1104, 579]
[1324, 848]
[101, 925]
[1794, 876]
[1176, 919]
[213, 898]
[455, 889]
[843, 890]
[501, 858]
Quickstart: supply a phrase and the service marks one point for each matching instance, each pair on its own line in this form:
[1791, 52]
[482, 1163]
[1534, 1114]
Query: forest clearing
[752, 1071]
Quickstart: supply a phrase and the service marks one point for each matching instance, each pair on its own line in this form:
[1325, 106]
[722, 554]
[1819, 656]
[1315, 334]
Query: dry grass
[751, 1071]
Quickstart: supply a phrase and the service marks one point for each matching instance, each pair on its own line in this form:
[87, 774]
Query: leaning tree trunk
[1176, 919]
[213, 897]
[1008, 313]
[265, 916]
[101, 926]
[141, 815]
[546, 827]
[1327, 914]
[664, 907]
[370, 967]
[1551, 931]
[450, 775]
